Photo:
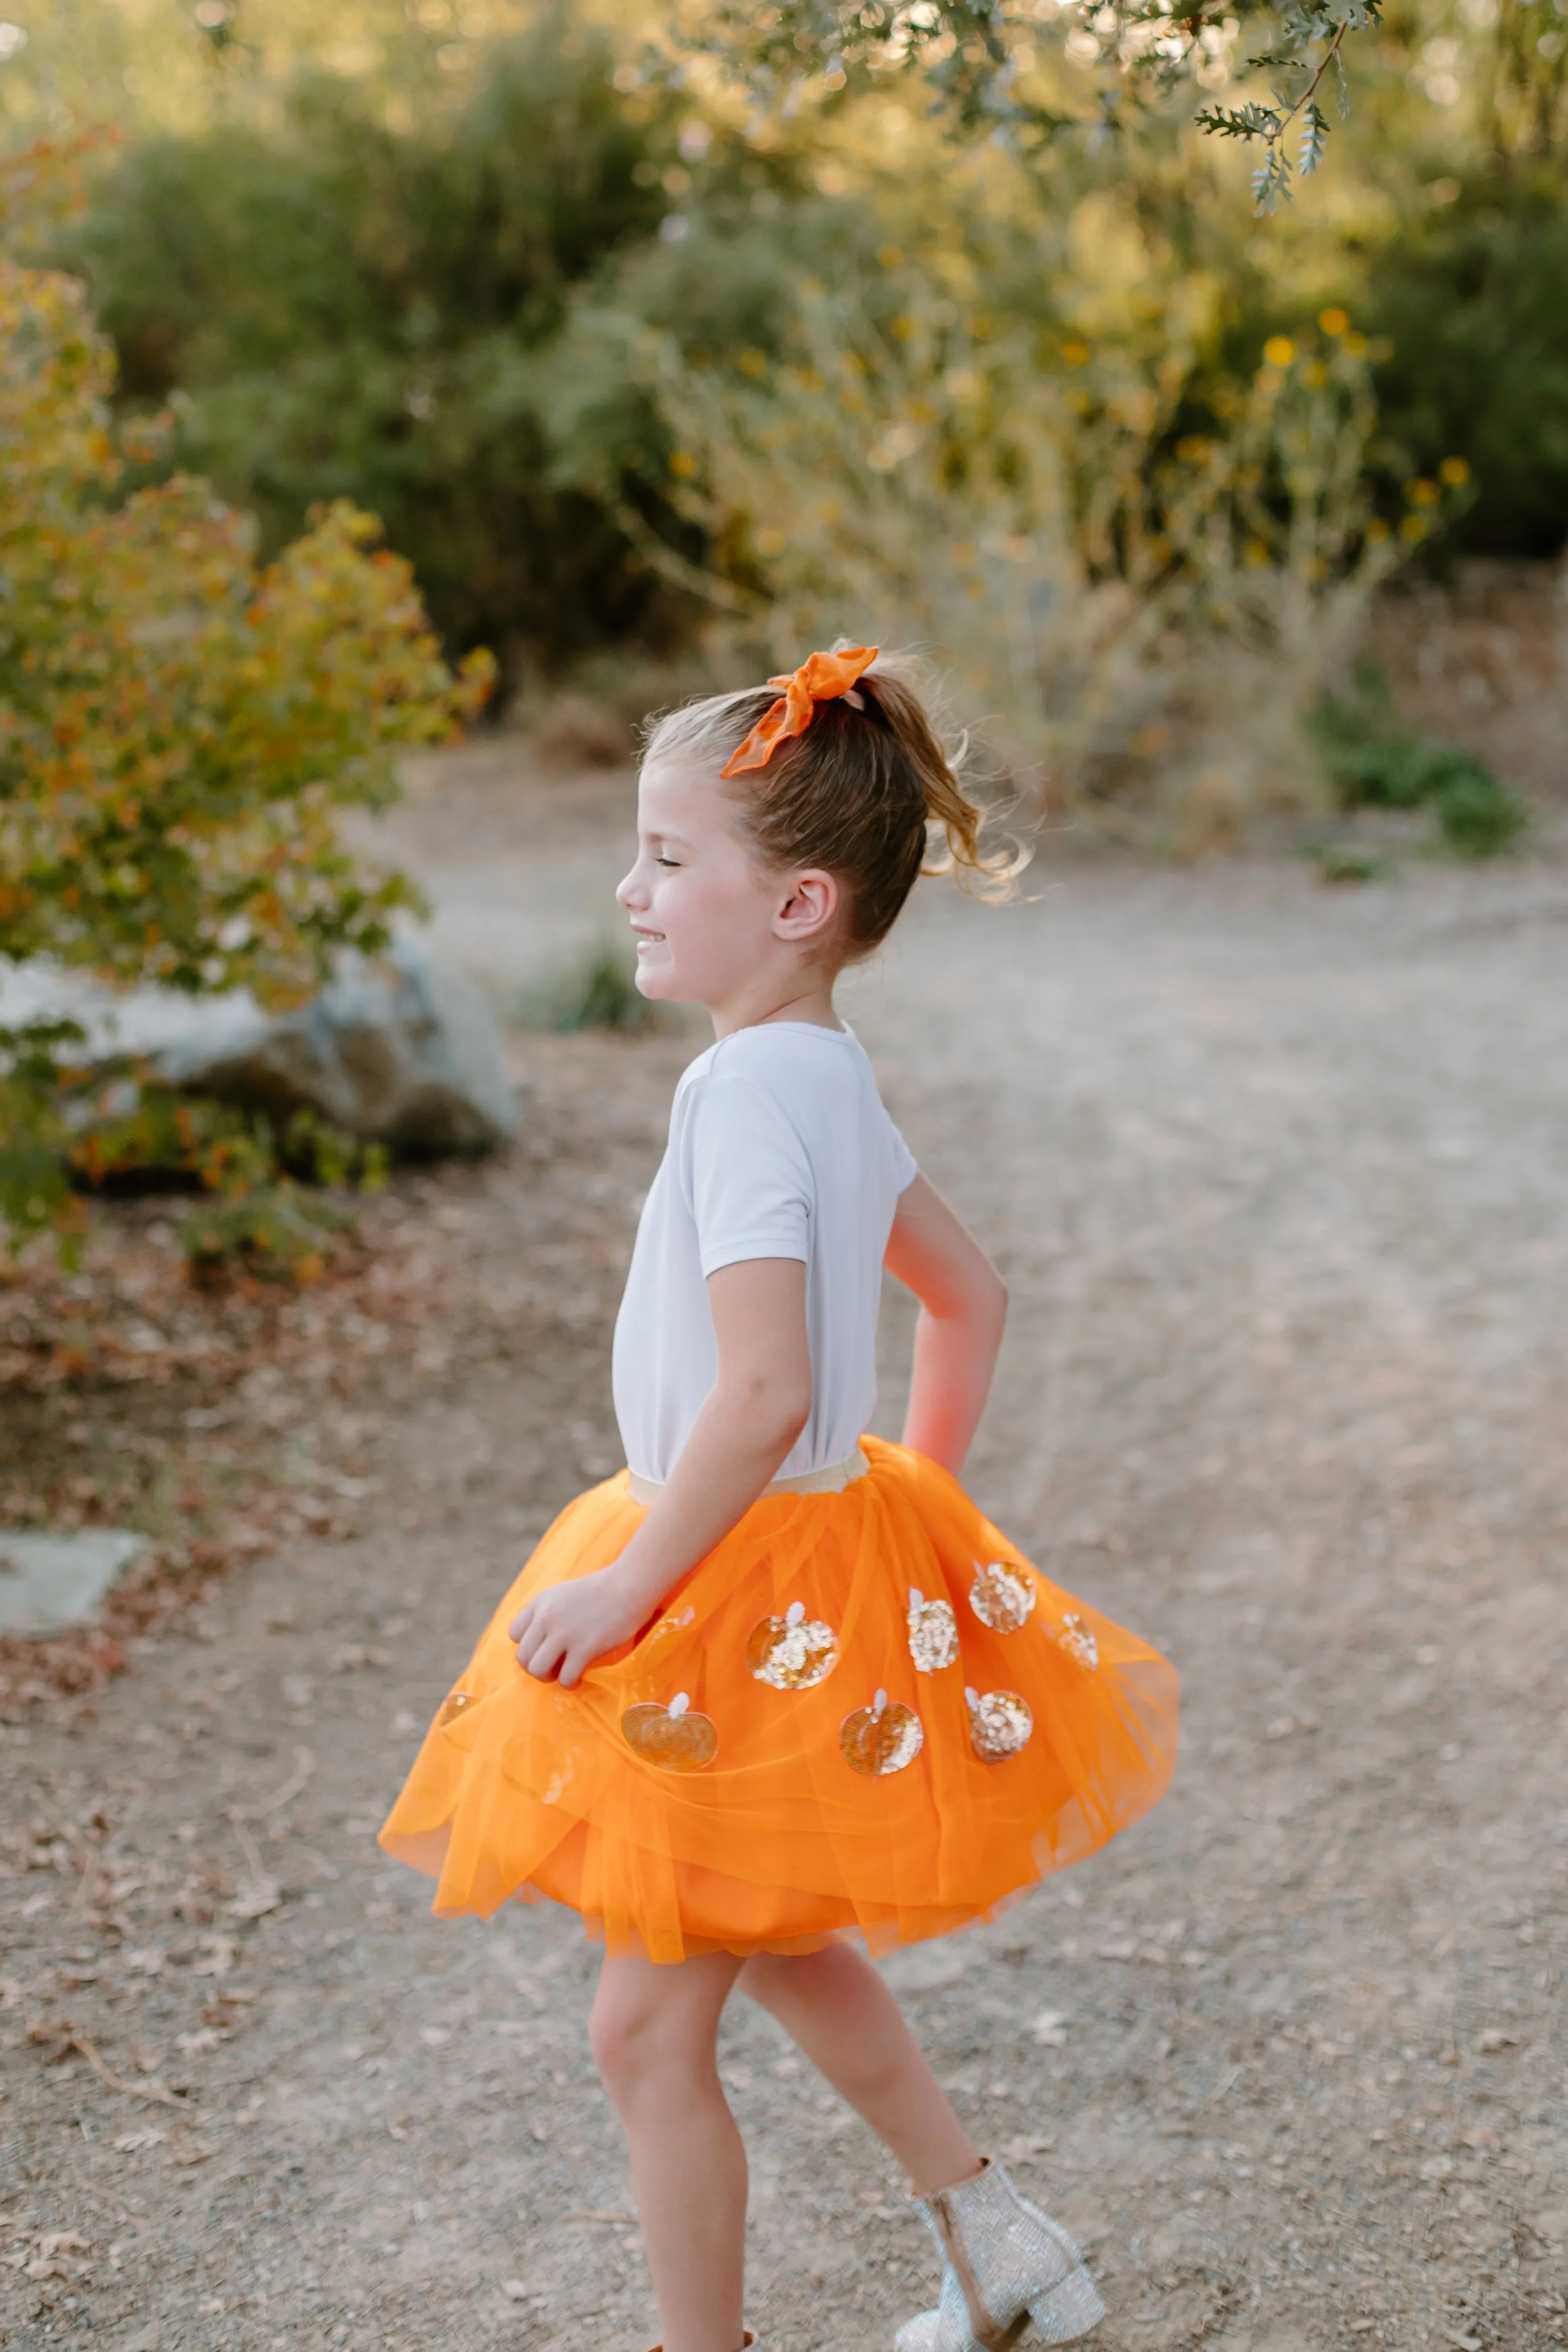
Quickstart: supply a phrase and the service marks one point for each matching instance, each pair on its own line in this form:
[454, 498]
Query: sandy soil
[1276, 1175]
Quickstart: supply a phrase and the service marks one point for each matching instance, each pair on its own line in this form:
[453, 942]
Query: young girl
[778, 1685]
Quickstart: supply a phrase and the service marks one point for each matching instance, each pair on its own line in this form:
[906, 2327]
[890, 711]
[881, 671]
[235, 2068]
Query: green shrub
[181, 730]
[344, 308]
[263, 1210]
[1476, 815]
[1467, 300]
[600, 992]
[1337, 862]
[1374, 762]
[362, 296]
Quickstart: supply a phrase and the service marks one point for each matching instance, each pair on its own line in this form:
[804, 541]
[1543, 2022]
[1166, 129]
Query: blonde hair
[871, 794]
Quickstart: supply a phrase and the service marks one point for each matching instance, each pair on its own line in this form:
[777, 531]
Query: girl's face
[713, 926]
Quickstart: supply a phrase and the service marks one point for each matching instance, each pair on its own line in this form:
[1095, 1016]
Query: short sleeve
[747, 1176]
[905, 1169]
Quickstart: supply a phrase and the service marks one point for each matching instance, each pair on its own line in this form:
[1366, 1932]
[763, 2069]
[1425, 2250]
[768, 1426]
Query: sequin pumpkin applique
[1000, 1723]
[793, 1651]
[675, 1737]
[881, 1739]
[1001, 1597]
[458, 1704]
[1078, 1639]
[933, 1633]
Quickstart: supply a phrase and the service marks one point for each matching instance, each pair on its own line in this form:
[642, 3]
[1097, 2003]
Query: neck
[810, 1001]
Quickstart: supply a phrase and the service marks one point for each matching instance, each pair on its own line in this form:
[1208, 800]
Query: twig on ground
[159, 2093]
[305, 1764]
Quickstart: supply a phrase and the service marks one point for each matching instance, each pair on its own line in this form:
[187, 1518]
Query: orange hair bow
[821, 677]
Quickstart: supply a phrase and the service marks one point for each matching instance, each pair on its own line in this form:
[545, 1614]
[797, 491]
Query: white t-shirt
[779, 1146]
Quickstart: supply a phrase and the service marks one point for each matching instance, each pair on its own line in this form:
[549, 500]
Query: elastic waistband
[831, 1479]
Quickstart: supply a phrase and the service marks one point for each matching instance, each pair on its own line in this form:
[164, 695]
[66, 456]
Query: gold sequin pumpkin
[1002, 1597]
[933, 1633]
[1000, 1723]
[882, 1738]
[675, 1737]
[1078, 1639]
[793, 1651]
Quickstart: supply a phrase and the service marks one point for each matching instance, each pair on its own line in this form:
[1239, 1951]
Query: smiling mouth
[647, 939]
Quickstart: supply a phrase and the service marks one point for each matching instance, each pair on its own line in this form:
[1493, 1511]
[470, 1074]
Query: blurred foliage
[591, 307]
[1143, 613]
[262, 1211]
[600, 992]
[348, 309]
[356, 256]
[1341, 862]
[995, 69]
[181, 731]
[1470, 300]
[1374, 762]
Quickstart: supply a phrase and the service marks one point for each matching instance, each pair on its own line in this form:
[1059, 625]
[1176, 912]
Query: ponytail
[869, 791]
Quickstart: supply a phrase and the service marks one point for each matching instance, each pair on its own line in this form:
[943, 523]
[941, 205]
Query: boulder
[50, 1582]
[404, 1051]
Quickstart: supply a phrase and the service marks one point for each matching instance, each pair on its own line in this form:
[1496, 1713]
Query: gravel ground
[1276, 1175]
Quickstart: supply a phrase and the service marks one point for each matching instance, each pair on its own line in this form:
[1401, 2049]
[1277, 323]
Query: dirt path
[1277, 1178]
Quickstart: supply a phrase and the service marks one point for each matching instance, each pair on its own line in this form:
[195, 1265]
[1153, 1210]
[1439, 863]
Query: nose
[631, 890]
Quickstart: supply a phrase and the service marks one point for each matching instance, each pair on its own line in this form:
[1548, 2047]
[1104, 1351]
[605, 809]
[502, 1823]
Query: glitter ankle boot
[1011, 2275]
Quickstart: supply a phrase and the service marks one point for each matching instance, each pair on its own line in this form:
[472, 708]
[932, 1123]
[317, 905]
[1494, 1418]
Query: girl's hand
[755, 1411]
[561, 1632]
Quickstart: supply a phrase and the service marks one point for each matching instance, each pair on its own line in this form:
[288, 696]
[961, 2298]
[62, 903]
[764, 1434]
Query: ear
[808, 913]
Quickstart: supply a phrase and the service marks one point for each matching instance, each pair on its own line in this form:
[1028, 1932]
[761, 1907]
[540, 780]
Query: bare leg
[837, 2007]
[654, 2031]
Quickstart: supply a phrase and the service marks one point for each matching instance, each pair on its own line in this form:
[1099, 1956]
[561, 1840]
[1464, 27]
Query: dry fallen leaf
[263, 1894]
[217, 1957]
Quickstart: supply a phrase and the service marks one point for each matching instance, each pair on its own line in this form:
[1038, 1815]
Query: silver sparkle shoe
[1011, 2277]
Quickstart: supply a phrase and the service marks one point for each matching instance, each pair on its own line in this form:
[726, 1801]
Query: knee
[631, 2045]
[619, 2038]
[761, 1980]
[788, 1983]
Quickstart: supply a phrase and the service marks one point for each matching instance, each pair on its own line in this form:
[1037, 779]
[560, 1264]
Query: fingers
[556, 1655]
[551, 1641]
[539, 1650]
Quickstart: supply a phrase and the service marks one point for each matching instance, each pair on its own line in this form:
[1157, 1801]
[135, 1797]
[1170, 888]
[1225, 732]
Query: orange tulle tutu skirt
[862, 1714]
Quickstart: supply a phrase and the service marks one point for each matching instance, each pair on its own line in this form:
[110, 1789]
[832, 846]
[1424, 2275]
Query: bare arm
[757, 1408]
[963, 1310]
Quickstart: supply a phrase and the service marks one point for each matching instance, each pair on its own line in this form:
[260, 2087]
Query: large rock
[50, 1582]
[406, 1052]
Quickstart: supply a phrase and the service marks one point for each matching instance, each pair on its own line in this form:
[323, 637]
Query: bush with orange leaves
[181, 730]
